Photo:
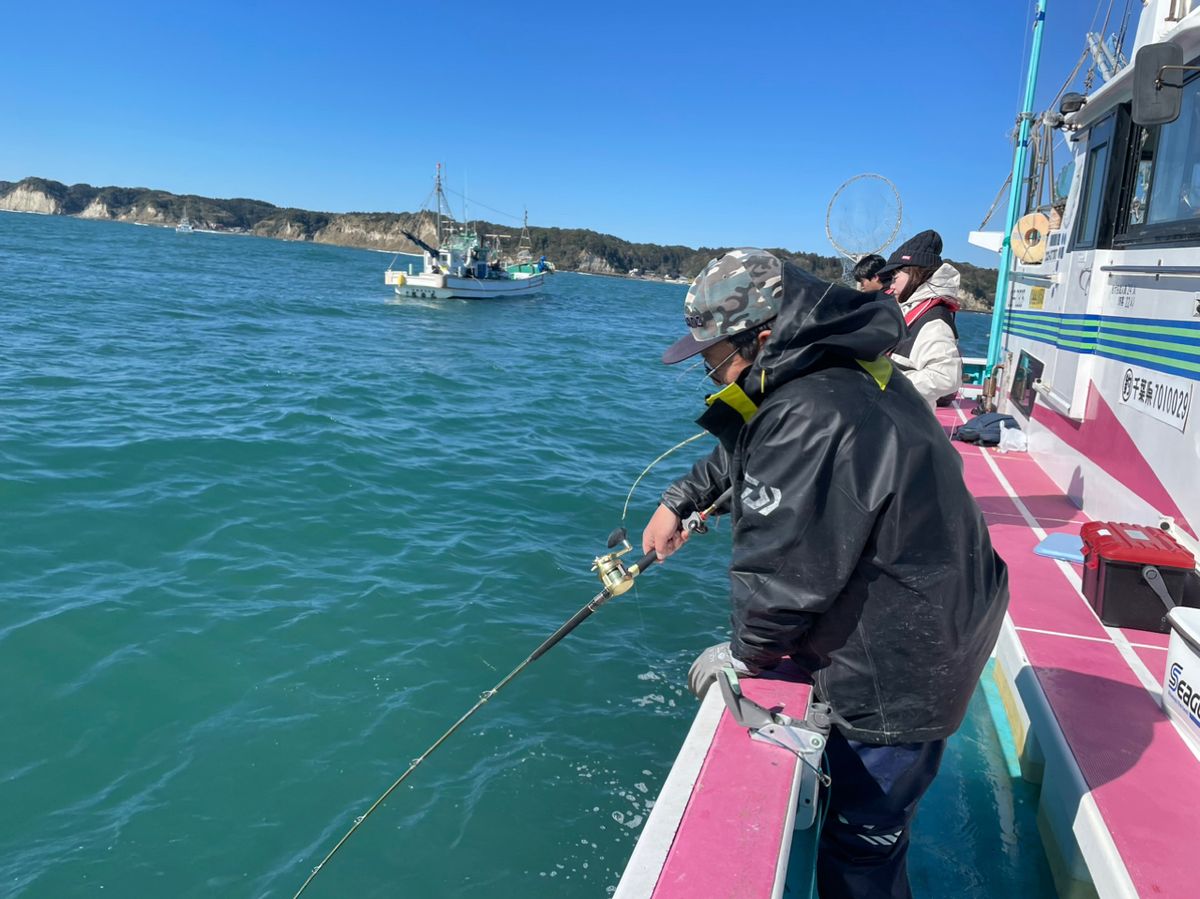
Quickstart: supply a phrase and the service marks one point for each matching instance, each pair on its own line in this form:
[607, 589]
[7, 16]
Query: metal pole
[1015, 192]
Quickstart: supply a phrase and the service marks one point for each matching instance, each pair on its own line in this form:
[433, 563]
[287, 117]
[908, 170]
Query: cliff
[24, 197]
[571, 249]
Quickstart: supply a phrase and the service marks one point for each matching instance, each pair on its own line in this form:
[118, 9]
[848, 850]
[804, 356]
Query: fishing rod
[616, 578]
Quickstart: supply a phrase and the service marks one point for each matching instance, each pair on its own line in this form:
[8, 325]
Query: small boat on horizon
[524, 265]
[185, 224]
[461, 266]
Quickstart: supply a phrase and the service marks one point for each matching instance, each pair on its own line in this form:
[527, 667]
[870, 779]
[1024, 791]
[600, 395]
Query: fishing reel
[613, 574]
[617, 577]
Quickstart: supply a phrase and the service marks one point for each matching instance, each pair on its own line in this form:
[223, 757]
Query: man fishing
[857, 550]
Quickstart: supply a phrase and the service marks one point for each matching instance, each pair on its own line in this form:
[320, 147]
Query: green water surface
[265, 533]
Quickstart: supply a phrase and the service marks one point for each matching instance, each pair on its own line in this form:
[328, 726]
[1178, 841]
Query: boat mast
[525, 244]
[437, 187]
[1015, 192]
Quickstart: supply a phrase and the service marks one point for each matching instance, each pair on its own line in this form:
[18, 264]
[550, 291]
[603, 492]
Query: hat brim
[686, 347]
[891, 267]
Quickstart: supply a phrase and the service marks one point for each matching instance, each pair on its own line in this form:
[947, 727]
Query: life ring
[1029, 237]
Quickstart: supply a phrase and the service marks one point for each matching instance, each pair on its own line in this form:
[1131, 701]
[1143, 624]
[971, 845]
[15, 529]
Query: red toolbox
[1127, 569]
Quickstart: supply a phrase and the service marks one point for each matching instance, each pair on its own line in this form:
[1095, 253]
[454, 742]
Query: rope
[1071, 77]
[1107, 15]
[515, 218]
[996, 202]
[1120, 44]
[1024, 47]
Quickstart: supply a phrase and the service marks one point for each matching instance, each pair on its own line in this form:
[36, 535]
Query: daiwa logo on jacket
[759, 497]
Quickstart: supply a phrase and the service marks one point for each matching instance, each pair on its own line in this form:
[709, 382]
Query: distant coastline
[571, 249]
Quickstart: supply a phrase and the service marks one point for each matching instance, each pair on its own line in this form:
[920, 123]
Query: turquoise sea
[265, 533]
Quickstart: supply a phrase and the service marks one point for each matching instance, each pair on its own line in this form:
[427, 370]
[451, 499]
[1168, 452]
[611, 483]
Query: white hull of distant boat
[448, 287]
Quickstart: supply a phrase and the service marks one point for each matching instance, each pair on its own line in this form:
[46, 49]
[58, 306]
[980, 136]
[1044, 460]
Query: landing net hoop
[864, 216]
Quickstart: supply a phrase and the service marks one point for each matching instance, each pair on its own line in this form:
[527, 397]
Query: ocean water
[265, 533]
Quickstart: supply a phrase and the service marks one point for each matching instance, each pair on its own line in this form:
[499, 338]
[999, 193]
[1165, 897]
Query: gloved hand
[704, 670]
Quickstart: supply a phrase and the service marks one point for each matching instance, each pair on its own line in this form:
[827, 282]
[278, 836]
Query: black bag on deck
[985, 429]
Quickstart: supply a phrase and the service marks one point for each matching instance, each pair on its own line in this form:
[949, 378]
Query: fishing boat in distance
[523, 265]
[185, 224]
[461, 266]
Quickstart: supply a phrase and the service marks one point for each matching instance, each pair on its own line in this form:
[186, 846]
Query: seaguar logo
[759, 497]
[1183, 692]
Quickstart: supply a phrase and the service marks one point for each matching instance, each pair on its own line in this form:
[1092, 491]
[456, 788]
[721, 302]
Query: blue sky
[697, 123]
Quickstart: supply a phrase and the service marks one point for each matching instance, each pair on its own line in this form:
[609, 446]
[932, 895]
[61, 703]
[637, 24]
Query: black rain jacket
[857, 549]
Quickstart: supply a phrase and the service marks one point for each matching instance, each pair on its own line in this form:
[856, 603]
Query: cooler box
[1116, 581]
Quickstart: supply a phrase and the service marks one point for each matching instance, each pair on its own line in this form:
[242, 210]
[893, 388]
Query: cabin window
[1142, 161]
[1093, 193]
[1028, 373]
[1089, 231]
[1175, 191]
[1160, 202]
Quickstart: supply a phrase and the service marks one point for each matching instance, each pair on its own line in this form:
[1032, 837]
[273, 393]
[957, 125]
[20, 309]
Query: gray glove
[704, 670]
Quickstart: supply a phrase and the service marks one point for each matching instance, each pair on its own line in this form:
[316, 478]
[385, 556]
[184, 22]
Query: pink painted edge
[729, 839]
[1157, 763]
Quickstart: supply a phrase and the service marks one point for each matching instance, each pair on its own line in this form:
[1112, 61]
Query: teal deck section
[976, 829]
[975, 833]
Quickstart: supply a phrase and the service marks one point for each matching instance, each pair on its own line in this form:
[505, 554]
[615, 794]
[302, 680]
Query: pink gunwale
[1143, 778]
[729, 839]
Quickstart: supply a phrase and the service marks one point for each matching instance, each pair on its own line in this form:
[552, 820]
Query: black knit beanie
[923, 250]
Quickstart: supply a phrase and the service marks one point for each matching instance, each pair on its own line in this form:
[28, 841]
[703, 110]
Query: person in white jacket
[927, 290]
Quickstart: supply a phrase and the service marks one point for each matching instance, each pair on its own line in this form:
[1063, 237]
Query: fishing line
[616, 577]
[687, 370]
[483, 698]
[646, 470]
[628, 496]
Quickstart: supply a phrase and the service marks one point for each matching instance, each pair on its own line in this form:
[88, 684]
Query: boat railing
[1158, 271]
[1025, 277]
[1054, 400]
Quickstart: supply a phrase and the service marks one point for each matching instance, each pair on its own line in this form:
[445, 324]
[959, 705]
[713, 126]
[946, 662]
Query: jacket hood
[821, 324]
[942, 283]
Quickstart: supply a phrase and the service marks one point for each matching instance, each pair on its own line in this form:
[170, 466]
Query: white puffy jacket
[933, 362]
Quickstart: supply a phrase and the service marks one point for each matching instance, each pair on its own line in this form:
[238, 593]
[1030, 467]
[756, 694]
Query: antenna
[438, 190]
[525, 244]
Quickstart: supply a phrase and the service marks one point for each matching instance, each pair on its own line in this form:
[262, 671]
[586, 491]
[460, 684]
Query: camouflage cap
[738, 291]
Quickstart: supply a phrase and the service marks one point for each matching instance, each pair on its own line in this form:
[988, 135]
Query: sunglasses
[711, 370]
